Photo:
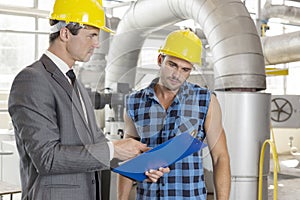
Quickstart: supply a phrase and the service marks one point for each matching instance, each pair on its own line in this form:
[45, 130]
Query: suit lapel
[60, 78]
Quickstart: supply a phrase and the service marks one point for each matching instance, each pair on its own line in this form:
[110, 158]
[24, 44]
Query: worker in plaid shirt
[170, 106]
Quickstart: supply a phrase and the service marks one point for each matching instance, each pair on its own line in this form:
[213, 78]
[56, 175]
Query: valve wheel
[281, 109]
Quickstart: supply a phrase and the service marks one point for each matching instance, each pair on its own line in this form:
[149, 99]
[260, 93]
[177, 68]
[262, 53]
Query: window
[16, 50]
[45, 5]
[21, 44]
[24, 3]
[24, 37]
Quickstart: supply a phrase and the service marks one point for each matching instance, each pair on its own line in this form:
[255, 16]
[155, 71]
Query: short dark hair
[73, 28]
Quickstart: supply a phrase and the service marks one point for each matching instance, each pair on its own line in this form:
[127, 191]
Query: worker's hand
[154, 175]
[128, 148]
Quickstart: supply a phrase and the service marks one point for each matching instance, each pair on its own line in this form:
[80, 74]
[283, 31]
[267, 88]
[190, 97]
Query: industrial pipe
[236, 47]
[283, 48]
[289, 13]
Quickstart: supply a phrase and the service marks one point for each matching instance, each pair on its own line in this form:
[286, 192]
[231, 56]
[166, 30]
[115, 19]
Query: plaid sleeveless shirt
[156, 125]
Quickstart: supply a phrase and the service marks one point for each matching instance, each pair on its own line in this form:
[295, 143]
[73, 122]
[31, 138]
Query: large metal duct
[236, 48]
[252, 112]
[280, 11]
[281, 48]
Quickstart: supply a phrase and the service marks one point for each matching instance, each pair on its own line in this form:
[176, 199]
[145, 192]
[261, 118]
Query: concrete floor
[288, 179]
[288, 188]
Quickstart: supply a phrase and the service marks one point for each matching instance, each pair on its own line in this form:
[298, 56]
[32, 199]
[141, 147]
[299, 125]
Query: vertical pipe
[246, 120]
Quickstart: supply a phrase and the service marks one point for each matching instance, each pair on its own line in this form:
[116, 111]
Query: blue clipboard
[162, 155]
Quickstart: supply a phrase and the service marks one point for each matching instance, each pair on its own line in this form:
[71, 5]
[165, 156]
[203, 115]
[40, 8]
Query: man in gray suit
[62, 150]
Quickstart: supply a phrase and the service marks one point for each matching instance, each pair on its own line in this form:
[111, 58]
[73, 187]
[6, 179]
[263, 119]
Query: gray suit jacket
[59, 151]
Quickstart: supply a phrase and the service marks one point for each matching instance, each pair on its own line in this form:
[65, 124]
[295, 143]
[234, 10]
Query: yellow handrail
[276, 167]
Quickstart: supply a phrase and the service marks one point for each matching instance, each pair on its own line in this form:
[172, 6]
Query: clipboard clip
[194, 133]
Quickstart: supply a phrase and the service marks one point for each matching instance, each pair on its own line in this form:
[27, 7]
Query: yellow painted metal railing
[276, 167]
[272, 71]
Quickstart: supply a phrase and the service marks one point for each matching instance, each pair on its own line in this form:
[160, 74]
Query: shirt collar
[62, 66]
[182, 93]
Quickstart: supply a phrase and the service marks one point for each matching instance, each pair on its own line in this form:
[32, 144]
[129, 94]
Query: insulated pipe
[236, 47]
[281, 48]
[280, 11]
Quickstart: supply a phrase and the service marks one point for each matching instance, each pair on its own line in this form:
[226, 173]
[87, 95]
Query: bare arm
[124, 187]
[218, 149]
[125, 184]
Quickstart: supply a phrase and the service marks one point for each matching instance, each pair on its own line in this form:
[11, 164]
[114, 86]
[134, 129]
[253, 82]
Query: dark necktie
[72, 76]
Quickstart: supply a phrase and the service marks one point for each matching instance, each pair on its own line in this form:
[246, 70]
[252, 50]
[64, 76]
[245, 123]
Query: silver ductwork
[281, 48]
[236, 47]
[252, 112]
[280, 11]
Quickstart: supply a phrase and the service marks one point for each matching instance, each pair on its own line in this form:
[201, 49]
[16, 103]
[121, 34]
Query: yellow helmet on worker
[183, 44]
[84, 12]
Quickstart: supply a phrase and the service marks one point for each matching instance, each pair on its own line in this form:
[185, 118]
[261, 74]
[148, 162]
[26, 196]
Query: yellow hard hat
[85, 12]
[183, 44]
